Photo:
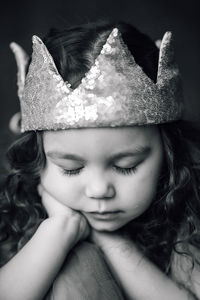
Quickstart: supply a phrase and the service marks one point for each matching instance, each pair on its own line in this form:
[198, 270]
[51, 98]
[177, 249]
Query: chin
[104, 226]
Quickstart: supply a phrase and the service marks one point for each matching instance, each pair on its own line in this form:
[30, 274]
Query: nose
[99, 187]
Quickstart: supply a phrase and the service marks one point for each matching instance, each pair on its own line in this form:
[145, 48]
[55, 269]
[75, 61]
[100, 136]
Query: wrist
[109, 242]
[61, 229]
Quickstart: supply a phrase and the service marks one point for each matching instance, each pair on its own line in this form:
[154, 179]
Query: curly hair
[172, 221]
[20, 207]
[173, 217]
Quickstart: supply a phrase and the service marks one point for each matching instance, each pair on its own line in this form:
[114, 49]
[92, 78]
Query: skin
[98, 180]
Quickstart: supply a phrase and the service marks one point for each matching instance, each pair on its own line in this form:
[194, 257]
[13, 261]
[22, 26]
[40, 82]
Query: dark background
[19, 20]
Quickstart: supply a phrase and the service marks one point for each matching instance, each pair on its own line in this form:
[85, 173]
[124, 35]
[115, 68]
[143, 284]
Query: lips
[106, 215]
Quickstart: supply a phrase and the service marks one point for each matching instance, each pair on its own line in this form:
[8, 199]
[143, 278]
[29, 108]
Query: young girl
[102, 198]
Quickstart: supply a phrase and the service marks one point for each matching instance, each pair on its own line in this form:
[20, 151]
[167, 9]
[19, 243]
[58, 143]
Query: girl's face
[110, 175]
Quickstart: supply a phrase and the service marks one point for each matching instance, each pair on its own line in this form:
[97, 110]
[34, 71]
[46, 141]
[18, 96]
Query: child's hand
[109, 240]
[75, 221]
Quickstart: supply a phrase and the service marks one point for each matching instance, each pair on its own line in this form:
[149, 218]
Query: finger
[39, 189]
[84, 227]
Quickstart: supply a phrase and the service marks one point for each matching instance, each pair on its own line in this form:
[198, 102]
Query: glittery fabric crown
[114, 92]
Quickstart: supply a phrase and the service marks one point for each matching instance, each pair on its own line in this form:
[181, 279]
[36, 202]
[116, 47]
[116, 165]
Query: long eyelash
[71, 172]
[126, 171]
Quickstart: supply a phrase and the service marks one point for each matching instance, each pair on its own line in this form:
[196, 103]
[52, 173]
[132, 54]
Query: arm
[139, 278]
[185, 271]
[29, 274]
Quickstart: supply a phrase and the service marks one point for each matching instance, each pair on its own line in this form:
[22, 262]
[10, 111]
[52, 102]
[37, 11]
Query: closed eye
[126, 171]
[71, 172]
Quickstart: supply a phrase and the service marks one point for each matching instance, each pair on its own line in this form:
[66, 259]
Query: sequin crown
[114, 92]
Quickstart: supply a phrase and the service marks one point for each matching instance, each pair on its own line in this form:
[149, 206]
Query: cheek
[141, 196]
[60, 187]
[141, 190]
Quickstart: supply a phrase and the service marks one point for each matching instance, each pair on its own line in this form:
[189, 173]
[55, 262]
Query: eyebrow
[138, 151]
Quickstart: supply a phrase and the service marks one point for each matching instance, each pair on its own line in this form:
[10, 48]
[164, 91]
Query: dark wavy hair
[172, 222]
[173, 217]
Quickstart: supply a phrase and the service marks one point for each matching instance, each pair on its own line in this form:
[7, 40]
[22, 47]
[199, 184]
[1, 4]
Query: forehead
[100, 139]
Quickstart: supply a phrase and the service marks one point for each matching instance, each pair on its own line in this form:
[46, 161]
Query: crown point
[167, 37]
[36, 40]
[13, 46]
[115, 32]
